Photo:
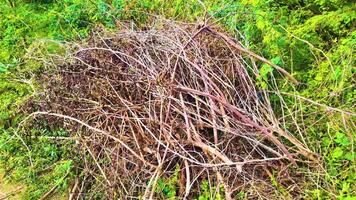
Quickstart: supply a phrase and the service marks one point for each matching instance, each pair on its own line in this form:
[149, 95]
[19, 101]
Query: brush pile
[144, 103]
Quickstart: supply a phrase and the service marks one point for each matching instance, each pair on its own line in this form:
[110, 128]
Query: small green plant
[168, 186]
[209, 192]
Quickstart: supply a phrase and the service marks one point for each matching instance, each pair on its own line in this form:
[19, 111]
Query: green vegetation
[168, 187]
[313, 39]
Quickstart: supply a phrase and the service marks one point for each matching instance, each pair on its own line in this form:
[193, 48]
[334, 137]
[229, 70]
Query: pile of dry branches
[140, 103]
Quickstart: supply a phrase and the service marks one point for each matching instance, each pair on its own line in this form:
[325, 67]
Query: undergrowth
[313, 39]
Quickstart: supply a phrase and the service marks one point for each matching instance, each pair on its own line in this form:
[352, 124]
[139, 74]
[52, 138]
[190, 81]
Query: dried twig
[252, 54]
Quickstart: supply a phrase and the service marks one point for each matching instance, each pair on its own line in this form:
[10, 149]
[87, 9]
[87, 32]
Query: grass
[315, 40]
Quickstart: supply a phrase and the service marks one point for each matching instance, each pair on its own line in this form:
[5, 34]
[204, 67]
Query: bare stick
[252, 54]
